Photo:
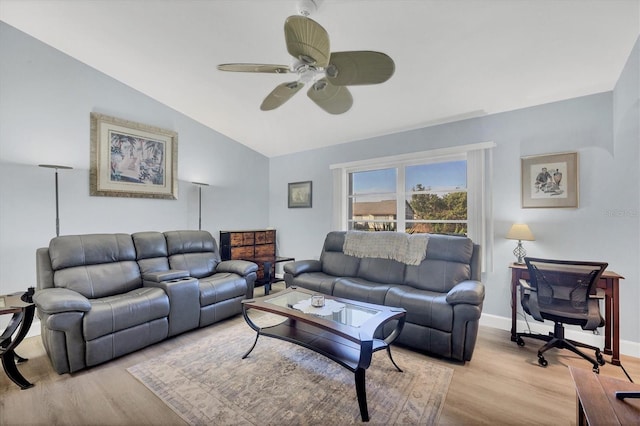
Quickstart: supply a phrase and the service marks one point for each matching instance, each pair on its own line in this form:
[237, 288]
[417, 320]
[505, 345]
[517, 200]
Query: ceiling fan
[327, 72]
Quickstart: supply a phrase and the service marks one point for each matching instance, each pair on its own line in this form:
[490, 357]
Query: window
[440, 191]
[433, 198]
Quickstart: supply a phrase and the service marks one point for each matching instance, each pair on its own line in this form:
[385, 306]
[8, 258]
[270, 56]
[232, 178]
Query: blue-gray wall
[603, 128]
[45, 101]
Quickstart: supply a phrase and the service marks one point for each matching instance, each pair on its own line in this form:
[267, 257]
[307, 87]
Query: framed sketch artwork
[300, 194]
[130, 159]
[550, 180]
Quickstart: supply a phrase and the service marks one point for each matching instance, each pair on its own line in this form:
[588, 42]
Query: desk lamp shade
[520, 232]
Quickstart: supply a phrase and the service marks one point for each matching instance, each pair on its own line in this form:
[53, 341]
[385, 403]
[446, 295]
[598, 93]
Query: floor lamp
[54, 166]
[200, 185]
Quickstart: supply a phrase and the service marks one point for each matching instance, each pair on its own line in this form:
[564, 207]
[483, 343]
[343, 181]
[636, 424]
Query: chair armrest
[169, 275]
[469, 292]
[57, 300]
[301, 266]
[525, 284]
[240, 267]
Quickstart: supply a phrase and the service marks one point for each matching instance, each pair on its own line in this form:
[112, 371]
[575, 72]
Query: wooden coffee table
[343, 330]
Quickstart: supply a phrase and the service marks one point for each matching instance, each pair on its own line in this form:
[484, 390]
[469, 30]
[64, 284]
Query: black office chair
[561, 291]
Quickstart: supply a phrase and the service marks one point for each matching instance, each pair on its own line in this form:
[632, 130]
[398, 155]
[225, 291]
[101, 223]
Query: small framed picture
[550, 180]
[300, 194]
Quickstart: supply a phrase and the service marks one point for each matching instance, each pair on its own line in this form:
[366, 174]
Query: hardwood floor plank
[503, 384]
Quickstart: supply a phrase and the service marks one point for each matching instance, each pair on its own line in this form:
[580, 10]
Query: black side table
[23, 309]
[268, 263]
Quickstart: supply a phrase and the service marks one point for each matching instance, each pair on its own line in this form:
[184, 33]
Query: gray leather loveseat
[100, 296]
[442, 295]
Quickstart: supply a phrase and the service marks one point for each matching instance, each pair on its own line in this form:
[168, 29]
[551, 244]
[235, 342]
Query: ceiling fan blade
[280, 95]
[333, 99]
[278, 69]
[359, 67]
[307, 40]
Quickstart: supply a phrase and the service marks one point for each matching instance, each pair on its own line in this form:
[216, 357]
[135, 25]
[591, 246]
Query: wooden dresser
[248, 245]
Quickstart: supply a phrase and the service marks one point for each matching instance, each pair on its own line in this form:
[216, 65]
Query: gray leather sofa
[100, 296]
[443, 295]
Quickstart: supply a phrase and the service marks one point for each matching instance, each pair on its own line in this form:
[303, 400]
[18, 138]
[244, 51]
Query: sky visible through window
[436, 175]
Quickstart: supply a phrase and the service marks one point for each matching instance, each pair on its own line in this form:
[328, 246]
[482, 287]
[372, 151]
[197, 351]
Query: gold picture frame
[550, 181]
[300, 194]
[130, 159]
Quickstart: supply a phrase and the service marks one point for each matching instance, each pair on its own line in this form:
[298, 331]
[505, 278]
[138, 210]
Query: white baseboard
[502, 323]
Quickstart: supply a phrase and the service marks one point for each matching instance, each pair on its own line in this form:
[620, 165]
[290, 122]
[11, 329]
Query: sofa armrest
[469, 292]
[301, 266]
[57, 300]
[240, 267]
[171, 274]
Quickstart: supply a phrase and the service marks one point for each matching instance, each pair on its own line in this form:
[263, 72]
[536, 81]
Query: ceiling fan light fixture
[328, 73]
[308, 7]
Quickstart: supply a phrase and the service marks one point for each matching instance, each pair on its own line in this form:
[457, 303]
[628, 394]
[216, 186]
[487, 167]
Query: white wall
[604, 227]
[45, 101]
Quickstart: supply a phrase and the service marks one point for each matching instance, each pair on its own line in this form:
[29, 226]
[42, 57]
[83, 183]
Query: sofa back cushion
[385, 271]
[193, 251]
[334, 261]
[448, 262]
[95, 265]
[151, 252]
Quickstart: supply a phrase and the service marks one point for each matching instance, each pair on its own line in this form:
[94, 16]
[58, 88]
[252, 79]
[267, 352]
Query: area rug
[207, 382]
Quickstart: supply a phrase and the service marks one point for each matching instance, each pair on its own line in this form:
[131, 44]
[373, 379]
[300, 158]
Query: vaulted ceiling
[454, 59]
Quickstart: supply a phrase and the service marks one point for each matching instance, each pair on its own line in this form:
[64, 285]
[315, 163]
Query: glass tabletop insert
[338, 311]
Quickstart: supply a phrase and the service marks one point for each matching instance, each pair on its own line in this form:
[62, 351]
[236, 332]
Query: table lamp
[520, 231]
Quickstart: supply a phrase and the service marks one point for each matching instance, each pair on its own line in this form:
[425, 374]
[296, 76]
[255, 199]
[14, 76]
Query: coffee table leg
[252, 346]
[361, 391]
[391, 358]
[9, 366]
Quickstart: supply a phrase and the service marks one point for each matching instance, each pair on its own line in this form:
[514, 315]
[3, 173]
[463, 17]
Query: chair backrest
[563, 282]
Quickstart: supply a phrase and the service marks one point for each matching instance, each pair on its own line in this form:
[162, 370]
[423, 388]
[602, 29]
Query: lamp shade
[520, 231]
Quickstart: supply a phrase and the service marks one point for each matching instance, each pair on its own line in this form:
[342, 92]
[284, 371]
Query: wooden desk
[596, 402]
[609, 282]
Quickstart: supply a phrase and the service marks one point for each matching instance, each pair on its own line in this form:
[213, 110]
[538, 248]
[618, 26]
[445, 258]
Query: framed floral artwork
[130, 159]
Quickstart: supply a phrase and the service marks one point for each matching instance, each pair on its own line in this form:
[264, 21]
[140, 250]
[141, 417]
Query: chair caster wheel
[520, 341]
[596, 369]
[542, 361]
[600, 359]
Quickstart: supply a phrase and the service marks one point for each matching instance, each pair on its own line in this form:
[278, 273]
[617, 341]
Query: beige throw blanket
[410, 249]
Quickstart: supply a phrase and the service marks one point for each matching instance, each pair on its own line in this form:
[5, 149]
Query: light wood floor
[501, 385]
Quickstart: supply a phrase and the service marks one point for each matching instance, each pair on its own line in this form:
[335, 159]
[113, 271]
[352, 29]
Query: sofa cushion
[436, 275]
[114, 313]
[334, 261]
[381, 270]
[424, 307]
[91, 249]
[339, 264]
[361, 289]
[451, 248]
[193, 251]
[94, 281]
[220, 287]
[151, 251]
[317, 281]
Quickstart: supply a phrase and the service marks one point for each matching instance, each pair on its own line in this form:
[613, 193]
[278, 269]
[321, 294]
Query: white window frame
[479, 212]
